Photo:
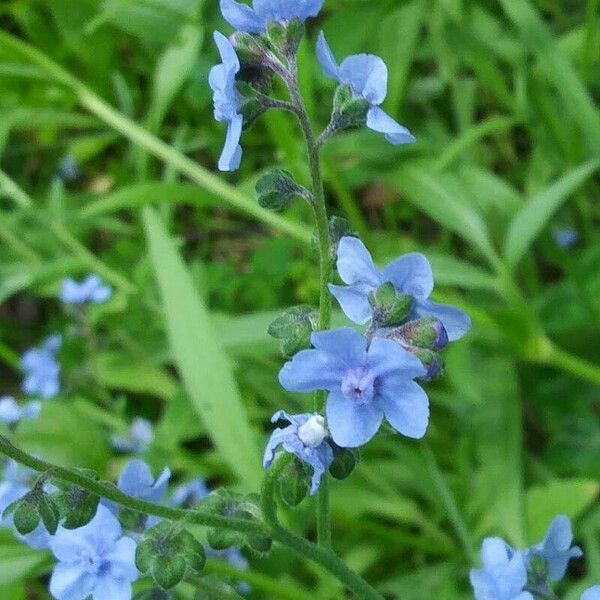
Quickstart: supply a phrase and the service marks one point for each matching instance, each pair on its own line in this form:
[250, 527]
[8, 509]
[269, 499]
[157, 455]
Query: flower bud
[286, 37]
[389, 307]
[432, 361]
[293, 328]
[277, 189]
[423, 333]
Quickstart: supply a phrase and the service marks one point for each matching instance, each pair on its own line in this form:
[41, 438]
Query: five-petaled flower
[94, 560]
[365, 383]
[12, 413]
[410, 274]
[227, 102]
[255, 19]
[504, 573]
[306, 438]
[367, 75]
[42, 369]
[92, 290]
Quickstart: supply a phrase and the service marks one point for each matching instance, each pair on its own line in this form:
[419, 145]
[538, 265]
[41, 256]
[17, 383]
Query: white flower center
[359, 385]
[313, 432]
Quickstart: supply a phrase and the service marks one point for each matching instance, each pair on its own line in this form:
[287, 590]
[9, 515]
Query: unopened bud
[389, 307]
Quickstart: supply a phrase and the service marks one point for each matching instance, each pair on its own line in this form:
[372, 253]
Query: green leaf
[562, 497]
[538, 210]
[200, 359]
[19, 562]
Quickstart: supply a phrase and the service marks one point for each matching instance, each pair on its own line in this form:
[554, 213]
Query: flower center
[313, 432]
[358, 385]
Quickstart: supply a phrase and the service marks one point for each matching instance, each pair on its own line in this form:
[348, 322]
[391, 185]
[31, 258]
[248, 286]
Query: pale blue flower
[306, 438]
[15, 482]
[255, 20]
[227, 102]
[592, 594]
[566, 238]
[94, 560]
[189, 494]
[410, 274]
[137, 440]
[12, 413]
[92, 290]
[504, 574]
[556, 548]
[42, 369]
[68, 169]
[367, 75]
[365, 383]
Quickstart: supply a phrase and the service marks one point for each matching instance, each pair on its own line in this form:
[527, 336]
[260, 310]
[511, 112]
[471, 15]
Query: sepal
[76, 505]
[344, 462]
[389, 308]
[276, 190]
[294, 483]
[349, 111]
[33, 507]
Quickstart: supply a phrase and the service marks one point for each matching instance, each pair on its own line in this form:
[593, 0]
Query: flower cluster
[509, 574]
[41, 369]
[92, 290]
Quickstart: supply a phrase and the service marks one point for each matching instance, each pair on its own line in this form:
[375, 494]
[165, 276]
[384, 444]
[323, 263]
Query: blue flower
[41, 369]
[189, 494]
[504, 574]
[367, 75]
[94, 560]
[15, 482]
[227, 102]
[306, 438]
[92, 290]
[12, 413]
[364, 384]
[566, 238]
[255, 19]
[137, 440]
[591, 594]
[556, 548]
[410, 274]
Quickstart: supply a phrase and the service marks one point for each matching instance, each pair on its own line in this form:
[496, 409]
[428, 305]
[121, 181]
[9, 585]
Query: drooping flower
[367, 75]
[42, 369]
[504, 574]
[137, 481]
[92, 290]
[12, 413]
[364, 384]
[137, 440]
[255, 20]
[227, 102]
[410, 274]
[592, 593]
[556, 549]
[306, 438]
[94, 560]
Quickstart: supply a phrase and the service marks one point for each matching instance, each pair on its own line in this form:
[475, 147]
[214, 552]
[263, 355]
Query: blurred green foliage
[503, 99]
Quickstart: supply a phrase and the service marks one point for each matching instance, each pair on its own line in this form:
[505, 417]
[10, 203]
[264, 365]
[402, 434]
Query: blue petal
[327, 59]
[319, 459]
[345, 344]
[386, 357]
[311, 370]
[396, 134]
[277, 438]
[367, 75]
[70, 582]
[354, 301]
[411, 274]
[556, 547]
[592, 593]
[231, 156]
[352, 424]
[494, 552]
[135, 479]
[109, 587]
[405, 405]
[242, 17]
[227, 51]
[355, 265]
[455, 321]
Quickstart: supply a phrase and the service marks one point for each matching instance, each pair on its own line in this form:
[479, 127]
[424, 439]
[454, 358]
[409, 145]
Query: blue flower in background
[189, 494]
[42, 369]
[556, 549]
[566, 238]
[504, 574]
[305, 437]
[410, 274]
[137, 440]
[255, 20]
[11, 413]
[92, 290]
[364, 384]
[592, 594]
[367, 75]
[227, 102]
[94, 560]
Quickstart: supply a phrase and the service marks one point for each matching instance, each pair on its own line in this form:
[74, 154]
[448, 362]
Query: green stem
[320, 211]
[323, 556]
[572, 364]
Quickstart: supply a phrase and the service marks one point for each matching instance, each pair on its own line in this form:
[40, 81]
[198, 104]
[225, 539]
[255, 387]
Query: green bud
[276, 190]
[423, 333]
[294, 328]
[166, 552]
[293, 484]
[349, 112]
[389, 308]
[344, 463]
